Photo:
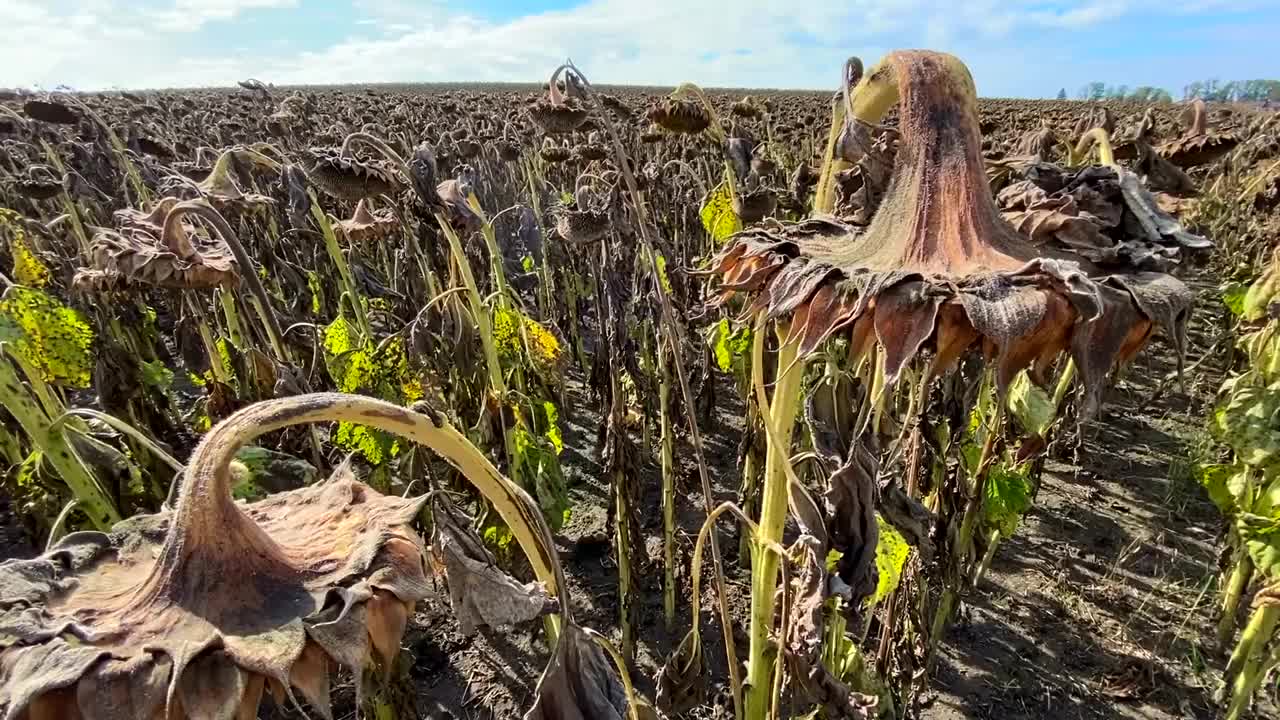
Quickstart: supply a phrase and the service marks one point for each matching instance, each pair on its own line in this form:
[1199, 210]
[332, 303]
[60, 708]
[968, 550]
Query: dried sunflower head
[1198, 145]
[156, 249]
[348, 177]
[364, 226]
[679, 115]
[194, 612]
[559, 112]
[50, 111]
[937, 268]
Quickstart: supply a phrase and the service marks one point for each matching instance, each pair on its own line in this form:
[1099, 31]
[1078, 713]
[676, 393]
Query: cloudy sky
[1026, 48]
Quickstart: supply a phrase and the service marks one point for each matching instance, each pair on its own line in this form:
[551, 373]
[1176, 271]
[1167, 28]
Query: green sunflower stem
[340, 261]
[94, 501]
[993, 542]
[1246, 669]
[773, 514]
[480, 313]
[1237, 581]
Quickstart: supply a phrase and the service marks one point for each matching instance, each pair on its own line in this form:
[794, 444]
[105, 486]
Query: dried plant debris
[479, 591]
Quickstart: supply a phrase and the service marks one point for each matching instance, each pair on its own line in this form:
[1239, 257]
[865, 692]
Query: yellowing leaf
[718, 218]
[1031, 405]
[52, 337]
[891, 556]
[27, 268]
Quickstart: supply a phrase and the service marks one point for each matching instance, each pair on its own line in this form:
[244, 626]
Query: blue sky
[1024, 48]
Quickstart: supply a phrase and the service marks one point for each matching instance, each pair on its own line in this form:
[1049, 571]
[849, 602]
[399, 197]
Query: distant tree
[1062, 94]
[1213, 90]
[1142, 93]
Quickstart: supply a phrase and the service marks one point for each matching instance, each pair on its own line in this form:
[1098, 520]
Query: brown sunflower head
[50, 111]
[561, 112]
[347, 177]
[157, 248]
[679, 115]
[937, 269]
[367, 226]
[195, 611]
[1199, 145]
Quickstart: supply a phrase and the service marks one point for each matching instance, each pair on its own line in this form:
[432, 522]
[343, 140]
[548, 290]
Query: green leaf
[27, 475]
[1262, 292]
[718, 218]
[156, 375]
[526, 263]
[720, 344]
[27, 267]
[1247, 421]
[891, 556]
[1225, 484]
[1233, 295]
[538, 467]
[1031, 405]
[50, 336]
[1261, 536]
[1007, 498]
[552, 414]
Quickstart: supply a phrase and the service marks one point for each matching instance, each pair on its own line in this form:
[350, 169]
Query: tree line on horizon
[1211, 90]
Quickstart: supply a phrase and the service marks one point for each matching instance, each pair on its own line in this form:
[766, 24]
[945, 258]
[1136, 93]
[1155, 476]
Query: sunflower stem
[781, 413]
[53, 445]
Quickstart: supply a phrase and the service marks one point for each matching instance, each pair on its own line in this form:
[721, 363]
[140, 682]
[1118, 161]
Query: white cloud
[191, 15]
[756, 43]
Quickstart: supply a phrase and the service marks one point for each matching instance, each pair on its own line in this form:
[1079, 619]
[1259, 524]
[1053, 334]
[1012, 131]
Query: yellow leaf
[718, 218]
[891, 556]
[52, 337]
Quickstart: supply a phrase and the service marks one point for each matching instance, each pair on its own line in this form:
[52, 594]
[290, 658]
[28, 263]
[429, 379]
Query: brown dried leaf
[579, 683]
[480, 593]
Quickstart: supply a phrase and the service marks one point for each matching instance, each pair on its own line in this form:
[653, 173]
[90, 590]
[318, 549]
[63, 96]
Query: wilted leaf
[1247, 422]
[1225, 485]
[1032, 406]
[480, 593]
[579, 683]
[1262, 539]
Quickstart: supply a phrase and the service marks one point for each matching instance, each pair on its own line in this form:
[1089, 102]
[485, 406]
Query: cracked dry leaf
[192, 612]
[480, 593]
[579, 683]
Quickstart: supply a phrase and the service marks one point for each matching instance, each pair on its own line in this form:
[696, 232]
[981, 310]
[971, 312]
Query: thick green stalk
[94, 502]
[993, 542]
[1249, 658]
[232, 315]
[773, 515]
[481, 315]
[340, 260]
[1237, 581]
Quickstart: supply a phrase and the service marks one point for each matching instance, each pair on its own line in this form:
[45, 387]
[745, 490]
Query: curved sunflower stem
[1098, 138]
[60, 524]
[633, 703]
[378, 144]
[249, 273]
